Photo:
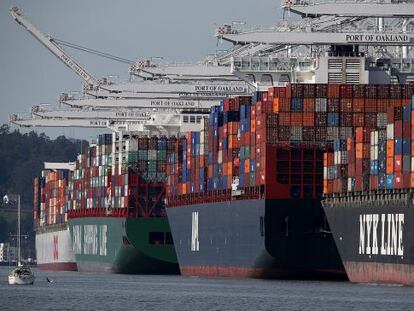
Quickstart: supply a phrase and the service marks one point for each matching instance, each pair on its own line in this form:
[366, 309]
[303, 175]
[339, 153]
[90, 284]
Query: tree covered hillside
[21, 159]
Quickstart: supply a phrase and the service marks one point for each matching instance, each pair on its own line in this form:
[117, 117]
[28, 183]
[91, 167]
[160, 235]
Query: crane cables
[95, 52]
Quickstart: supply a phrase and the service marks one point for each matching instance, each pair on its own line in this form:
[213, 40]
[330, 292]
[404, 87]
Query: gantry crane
[336, 42]
[192, 79]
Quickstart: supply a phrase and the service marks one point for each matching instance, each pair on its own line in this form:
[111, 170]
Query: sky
[179, 30]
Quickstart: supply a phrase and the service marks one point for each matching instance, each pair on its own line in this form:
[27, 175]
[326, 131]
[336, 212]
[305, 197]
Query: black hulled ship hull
[374, 239]
[255, 238]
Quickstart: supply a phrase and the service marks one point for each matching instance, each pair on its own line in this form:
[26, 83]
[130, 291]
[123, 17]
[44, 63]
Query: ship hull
[254, 238]
[375, 241]
[112, 245]
[54, 249]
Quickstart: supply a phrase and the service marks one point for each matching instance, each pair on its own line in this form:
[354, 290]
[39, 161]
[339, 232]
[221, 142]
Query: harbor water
[87, 291]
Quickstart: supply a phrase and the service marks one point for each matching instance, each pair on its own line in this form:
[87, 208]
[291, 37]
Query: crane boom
[52, 46]
[157, 103]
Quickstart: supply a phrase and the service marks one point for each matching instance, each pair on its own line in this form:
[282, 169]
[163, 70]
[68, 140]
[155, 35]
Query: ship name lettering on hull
[381, 234]
[90, 239]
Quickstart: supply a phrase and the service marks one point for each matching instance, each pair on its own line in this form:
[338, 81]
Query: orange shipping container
[390, 148]
[229, 168]
[253, 125]
[359, 147]
[390, 165]
[276, 105]
[247, 166]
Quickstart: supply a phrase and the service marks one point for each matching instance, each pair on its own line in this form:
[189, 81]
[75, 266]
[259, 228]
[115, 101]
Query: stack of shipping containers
[246, 136]
[51, 197]
[122, 175]
[378, 157]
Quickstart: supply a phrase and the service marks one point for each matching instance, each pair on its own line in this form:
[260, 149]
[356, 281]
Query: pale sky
[178, 30]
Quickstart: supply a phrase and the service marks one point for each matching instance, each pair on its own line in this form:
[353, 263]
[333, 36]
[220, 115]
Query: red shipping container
[358, 183]
[358, 119]
[358, 104]
[406, 129]
[296, 119]
[398, 163]
[370, 105]
[398, 129]
[373, 182]
[309, 104]
[308, 119]
[398, 180]
[259, 108]
[407, 180]
[264, 97]
[351, 169]
[284, 104]
[247, 138]
[358, 167]
[284, 119]
[382, 105]
[333, 90]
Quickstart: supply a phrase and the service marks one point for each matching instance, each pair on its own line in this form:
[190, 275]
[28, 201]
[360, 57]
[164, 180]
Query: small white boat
[22, 275]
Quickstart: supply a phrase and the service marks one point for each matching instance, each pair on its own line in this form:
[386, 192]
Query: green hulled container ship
[123, 245]
[117, 219]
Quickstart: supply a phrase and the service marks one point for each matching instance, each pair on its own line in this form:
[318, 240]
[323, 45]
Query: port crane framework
[370, 34]
[264, 57]
[182, 96]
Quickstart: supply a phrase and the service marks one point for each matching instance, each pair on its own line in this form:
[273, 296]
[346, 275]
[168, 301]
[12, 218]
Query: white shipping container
[390, 131]
[220, 156]
[325, 173]
[349, 184]
[412, 164]
[337, 157]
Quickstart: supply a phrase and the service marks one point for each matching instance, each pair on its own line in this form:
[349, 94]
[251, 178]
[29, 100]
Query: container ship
[256, 210]
[116, 209]
[369, 194]
[243, 194]
[53, 241]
